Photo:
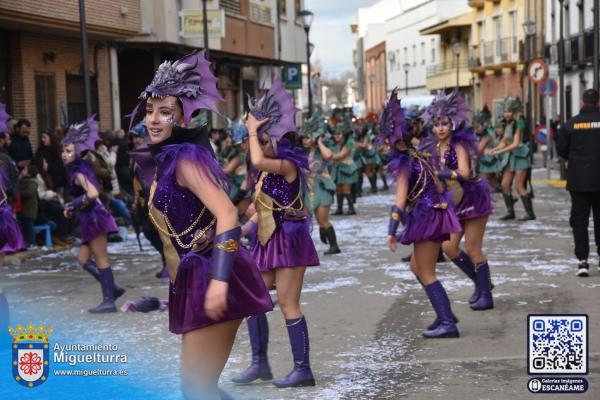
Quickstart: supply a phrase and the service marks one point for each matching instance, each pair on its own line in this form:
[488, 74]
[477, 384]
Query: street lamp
[311, 48]
[529, 29]
[307, 19]
[457, 48]
[406, 66]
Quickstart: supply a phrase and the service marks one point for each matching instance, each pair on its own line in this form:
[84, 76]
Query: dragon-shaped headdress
[392, 124]
[83, 135]
[450, 105]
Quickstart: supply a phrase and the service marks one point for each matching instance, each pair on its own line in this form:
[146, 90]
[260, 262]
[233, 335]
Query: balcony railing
[443, 68]
[579, 50]
[533, 47]
[495, 52]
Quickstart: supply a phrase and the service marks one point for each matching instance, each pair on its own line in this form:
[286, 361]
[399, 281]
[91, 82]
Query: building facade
[41, 64]
[579, 49]
[257, 37]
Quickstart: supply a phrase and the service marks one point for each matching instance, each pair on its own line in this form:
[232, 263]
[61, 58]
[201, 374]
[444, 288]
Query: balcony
[494, 54]
[532, 47]
[579, 51]
[443, 75]
[476, 3]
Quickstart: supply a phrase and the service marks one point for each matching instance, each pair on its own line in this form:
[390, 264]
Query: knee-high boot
[258, 330]
[91, 268]
[107, 282]
[302, 374]
[441, 304]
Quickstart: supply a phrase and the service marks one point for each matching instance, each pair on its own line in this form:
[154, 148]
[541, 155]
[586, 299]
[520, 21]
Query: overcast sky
[331, 34]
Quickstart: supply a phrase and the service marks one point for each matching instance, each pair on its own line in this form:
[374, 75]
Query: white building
[579, 45]
[390, 50]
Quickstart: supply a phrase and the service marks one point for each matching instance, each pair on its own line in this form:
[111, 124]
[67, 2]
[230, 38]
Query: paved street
[364, 308]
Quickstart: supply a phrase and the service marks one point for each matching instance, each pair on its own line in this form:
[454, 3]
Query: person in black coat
[49, 150]
[20, 146]
[579, 143]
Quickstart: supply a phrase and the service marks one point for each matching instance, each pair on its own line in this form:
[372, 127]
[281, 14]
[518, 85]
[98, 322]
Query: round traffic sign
[537, 70]
[541, 134]
[548, 87]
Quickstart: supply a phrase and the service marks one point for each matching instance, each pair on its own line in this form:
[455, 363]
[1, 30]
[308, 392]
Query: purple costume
[190, 267]
[93, 220]
[290, 245]
[428, 216]
[11, 239]
[476, 200]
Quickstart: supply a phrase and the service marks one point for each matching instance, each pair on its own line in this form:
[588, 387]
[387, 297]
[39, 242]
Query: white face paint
[161, 116]
[68, 154]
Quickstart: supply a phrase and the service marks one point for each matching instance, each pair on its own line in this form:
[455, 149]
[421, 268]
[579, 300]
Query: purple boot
[483, 282]
[301, 375]
[107, 281]
[441, 304]
[91, 268]
[258, 329]
[464, 263]
[436, 321]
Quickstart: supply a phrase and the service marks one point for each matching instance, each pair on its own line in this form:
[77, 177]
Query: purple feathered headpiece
[276, 105]
[4, 118]
[452, 106]
[83, 135]
[392, 125]
[189, 79]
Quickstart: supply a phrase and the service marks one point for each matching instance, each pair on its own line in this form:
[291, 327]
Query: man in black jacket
[20, 146]
[579, 143]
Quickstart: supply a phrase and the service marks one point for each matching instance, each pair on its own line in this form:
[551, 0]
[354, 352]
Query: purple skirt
[96, 222]
[11, 239]
[290, 246]
[426, 223]
[247, 293]
[476, 201]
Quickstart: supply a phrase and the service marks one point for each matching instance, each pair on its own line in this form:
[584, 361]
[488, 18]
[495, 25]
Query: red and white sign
[538, 71]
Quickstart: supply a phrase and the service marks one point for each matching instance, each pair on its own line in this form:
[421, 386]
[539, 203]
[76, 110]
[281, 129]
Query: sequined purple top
[84, 167]
[282, 192]
[451, 159]
[181, 207]
[179, 204]
[422, 190]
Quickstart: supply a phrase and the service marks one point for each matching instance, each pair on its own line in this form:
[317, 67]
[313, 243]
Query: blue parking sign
[292, 76]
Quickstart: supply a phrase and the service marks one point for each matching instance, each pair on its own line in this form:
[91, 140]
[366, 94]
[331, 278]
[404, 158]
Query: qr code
[557, 344]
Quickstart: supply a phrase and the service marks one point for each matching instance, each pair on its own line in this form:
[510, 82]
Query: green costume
[345, 172]
[321, 186]
[489, 164]
[520, 158]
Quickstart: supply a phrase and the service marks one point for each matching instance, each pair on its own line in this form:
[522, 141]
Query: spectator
[110, 157]
[20, 147]
[122, 164]
[579, 143]
[49, 151]
[51, 207]
[29, 202]
[10, 167]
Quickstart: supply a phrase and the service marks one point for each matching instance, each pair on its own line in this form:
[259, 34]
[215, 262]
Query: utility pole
[84, 64]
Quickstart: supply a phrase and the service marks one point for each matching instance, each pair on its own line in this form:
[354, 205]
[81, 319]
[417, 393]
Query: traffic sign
[537, 70]
[548, 87]
[292, 76]
[541, 134]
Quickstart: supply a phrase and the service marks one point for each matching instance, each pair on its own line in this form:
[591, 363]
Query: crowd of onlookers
[38, 185]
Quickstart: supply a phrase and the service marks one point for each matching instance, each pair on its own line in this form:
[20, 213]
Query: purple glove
[396, 216]
[224, 252]
[451, 174]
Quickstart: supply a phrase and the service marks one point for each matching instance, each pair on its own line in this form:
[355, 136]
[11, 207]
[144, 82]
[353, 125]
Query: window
[45, 99]
[260, 13]
[297, 7]
[414, 54]
[398, 63]
[231, 6]
[433, 51]
[282, 8]
[567, 19]
[405, 55]
[513, 30]
[422, 53]
[76, 97]
[498, 35]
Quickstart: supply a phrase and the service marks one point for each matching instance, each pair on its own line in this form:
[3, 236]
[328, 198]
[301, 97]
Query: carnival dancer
[519, 161]
[367, 153]
[457, 154]
[319, 197]
[237, 167]
[214, 282]
[284, 248]
[95, 222]
[423, 210]
[488, 166]
[345, 171]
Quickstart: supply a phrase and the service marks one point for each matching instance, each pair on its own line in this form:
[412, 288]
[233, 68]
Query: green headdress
[314, 126]
[482, 117]
[512, 104]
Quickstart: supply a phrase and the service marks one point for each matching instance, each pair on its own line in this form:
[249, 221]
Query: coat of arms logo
[30, 354]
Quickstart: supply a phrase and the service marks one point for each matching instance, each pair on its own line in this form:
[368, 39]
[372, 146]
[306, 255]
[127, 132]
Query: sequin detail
[281, 191]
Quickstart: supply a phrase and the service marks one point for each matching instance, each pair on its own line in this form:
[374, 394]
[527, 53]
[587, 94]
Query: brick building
[40, 58]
